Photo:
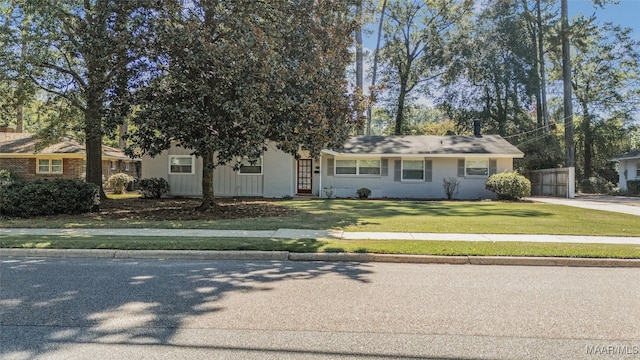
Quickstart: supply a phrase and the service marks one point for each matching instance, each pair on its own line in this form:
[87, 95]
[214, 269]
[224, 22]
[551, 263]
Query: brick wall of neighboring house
[19, 167]
[26, 168]
[71, 168]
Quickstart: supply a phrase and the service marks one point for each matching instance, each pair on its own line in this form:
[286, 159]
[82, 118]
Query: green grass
[459, 248]
[397, 216]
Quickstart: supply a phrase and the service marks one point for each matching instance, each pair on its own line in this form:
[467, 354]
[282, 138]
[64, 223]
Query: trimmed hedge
[153, 188]
[48, 197]
[509, 186]
[633, 187]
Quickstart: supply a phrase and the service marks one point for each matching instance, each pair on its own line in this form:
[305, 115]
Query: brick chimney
[476, 128]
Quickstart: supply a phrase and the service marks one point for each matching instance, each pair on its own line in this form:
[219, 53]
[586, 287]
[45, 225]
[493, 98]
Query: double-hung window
[251, 166]
[477, 167]
[412, 169]
[181, 164]
[358, 167]
[49, 166]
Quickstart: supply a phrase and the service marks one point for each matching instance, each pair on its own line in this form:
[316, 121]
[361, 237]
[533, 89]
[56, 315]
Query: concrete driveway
[621, 204]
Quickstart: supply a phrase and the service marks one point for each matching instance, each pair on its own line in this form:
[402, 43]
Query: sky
[626, 13]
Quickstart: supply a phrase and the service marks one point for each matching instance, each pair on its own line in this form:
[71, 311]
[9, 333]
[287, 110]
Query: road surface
[52, 308]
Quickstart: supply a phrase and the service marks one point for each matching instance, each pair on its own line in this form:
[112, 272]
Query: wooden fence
[558, 182]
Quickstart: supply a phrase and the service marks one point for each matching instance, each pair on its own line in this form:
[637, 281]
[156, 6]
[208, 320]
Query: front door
[305, 173]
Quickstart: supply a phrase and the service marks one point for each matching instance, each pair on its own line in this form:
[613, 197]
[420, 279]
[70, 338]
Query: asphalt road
[172, 309]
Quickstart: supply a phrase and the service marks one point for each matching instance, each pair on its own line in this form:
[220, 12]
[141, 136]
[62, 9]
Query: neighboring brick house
[67, 159]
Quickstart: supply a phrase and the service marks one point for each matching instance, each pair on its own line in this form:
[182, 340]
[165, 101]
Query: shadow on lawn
[52, 305]
[338, 213]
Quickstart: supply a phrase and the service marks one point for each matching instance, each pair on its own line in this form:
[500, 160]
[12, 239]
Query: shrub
[509, 186]
[119, 182]
[48, 197]
[596, 185]
[363, 193]
[153, 188]
[451, 186]
[7, 177]
[633, 187]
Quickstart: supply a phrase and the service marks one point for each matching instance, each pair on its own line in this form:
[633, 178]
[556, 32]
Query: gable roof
[426, 145]
[628, 156]
[25, 144]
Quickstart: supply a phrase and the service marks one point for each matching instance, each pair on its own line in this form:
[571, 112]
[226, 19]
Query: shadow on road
[125, 301]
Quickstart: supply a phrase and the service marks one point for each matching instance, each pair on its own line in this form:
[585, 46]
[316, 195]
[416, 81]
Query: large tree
[492, 74]
[75, 54]
[416, 36]
[606, 87]
[230, 77]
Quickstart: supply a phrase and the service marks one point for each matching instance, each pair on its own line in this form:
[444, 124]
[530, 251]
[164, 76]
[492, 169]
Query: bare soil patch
[185, 209]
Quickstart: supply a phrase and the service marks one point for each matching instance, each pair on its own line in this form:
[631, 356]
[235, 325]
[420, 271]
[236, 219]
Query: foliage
[491, 73]
[48, 197]
[237, 77]
[543, 151]
[451, 187]
[363, 193]
[595, 185]
[119, 182]
[153, 188]
[606, 86]
[7, 177]
[82, 54]
[509, 186]
[416, 37]
[633, 187]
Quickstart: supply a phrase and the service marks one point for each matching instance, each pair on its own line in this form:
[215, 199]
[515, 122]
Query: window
[477, 167]
[358, 167]
[127, 166]
[412, 170]
[251, 166]
[181, 165]
[369, 167]
[346, 167]
[113, 165]
[49, 166]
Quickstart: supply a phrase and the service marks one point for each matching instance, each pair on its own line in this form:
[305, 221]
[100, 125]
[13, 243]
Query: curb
[330, 257]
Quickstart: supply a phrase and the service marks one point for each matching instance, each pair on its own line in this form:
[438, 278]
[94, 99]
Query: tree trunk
[374, 72]
[400, 109]
[569, 158]
[588, 143]
[208, 199]
[541, 64]
[359, 60]
[93, 132]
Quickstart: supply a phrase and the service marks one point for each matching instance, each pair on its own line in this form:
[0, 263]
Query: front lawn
[351, 215]
[448, 248]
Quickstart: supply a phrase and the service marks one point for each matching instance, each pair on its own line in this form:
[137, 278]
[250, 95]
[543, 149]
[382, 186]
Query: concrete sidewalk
[320, 234]
[324, 234]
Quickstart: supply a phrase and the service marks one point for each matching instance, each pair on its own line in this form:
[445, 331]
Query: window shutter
[460, 167]
[384, 164]
[330, 167]
[397, 170]
[428, 170]
[493, 166]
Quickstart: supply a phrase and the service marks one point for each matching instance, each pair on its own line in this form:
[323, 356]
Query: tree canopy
[229, 78]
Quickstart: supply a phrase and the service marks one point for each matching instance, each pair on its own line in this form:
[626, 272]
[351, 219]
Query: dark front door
[305, 173]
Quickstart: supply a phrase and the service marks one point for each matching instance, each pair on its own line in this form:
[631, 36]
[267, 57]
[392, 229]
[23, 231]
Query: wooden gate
[558, 182]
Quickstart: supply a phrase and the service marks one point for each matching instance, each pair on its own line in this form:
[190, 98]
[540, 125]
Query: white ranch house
[390, 166]
[628, 168]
